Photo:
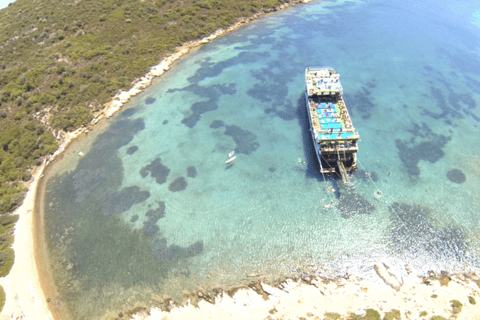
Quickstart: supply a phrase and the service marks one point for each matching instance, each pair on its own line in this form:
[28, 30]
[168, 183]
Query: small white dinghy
[231, 154]
[230, 160]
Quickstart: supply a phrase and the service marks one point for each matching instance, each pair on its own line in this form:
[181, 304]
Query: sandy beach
[31, 293]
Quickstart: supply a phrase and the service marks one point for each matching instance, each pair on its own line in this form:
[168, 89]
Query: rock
[156, 71]
[387, 277]
[134, 91]
[124, 96]
[272, 290]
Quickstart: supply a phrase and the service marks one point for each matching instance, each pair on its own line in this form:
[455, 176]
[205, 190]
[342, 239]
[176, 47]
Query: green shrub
[272, 4]
[372, 315]
[332, 316]
[2, 298]
[456, 306]
[6, 261]
[392, 315]
[72, 119]
[472, 300]
[8, 220]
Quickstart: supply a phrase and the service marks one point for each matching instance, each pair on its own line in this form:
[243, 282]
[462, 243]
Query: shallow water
[152, 209]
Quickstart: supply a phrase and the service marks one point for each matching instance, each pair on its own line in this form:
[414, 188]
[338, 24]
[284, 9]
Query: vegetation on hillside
[61, 60]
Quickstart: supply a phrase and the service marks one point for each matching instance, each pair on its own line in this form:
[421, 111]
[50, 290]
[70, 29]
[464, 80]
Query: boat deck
[331, 121]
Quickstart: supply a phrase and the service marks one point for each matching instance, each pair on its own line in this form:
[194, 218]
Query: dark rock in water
[195, 248]
[150, 229]
[411, 226]
[271, 169]
[212, 93]
[191, 172]
[191, 120]
[165, 253]
[199, 108]
[350, 204]
[134, 218]
[413, 231]
[150, 224]
[157, 170]
[217, 124]
[455, 175]
[156, 214]
[430, 151]
[287, 116]
[165, 122]
[245, 140]
[269, 110]
[132, 150]
[115, 202]
[118, 135]
[128, 113]
[362, 100]
[150, 100]
[178, 184]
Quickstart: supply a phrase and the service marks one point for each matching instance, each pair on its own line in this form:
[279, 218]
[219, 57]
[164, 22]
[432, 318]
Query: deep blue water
[152, 209]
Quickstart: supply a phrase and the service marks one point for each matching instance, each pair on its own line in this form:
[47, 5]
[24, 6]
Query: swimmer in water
[328, 205]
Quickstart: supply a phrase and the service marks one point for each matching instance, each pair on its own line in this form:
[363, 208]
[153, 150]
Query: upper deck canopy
[322, 81]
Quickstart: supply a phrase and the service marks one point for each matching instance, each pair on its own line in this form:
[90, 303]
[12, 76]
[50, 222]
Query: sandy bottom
[315, 298]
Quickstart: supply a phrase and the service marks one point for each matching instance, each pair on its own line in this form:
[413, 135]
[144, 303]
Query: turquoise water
[152, 209]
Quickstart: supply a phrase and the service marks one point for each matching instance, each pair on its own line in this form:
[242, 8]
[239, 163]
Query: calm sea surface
[152, 209]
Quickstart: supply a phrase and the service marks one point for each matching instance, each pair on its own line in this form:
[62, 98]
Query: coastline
[311, 297]
[308, 297]
[28, 285]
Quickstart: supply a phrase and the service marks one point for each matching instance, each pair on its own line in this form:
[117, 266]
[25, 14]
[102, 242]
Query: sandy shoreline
[30, 292]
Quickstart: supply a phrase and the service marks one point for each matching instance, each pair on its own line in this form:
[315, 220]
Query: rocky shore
[440, 296]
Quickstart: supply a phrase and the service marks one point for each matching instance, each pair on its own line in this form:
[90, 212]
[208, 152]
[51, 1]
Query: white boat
[230, 160]
[231, 154]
